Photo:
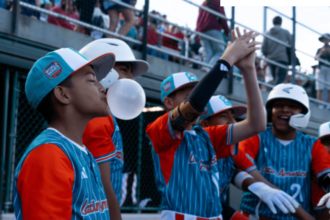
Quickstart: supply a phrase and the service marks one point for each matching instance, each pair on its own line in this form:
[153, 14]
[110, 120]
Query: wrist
[228, 59]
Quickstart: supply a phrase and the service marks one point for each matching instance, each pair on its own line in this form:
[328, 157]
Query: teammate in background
[285, 157]
[57, 177]
[185, 156]
[102, 135]
[321, 211]
[221, 112]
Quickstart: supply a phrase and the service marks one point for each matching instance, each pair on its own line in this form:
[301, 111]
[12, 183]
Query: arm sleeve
[221, 137]
[317, 194]
[162, 135]
[244, 162]
[250, 147]
[97, 138]
[320, 160]
[45, 184]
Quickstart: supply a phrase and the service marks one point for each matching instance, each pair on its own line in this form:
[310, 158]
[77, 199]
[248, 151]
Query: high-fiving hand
[241, 47]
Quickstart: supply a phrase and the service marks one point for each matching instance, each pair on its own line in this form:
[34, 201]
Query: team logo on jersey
[225, 100]
[84, 174]
[203, 165]
[191, 77]
[287, 90]
[120, 155]
[53, 70]
[192, 158]
[167, 86]
[283, 173]
[93, 206]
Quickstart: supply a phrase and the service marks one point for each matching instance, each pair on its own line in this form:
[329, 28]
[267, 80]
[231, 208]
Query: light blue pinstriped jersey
[226, 170]
[117, 163]
[287, 167]
[193, 187]
[89, 200]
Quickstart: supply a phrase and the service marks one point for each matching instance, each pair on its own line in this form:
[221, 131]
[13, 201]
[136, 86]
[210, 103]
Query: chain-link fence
[139, 193]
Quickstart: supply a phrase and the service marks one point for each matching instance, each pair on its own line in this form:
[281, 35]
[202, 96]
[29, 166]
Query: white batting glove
[272, 196]
[324, 199]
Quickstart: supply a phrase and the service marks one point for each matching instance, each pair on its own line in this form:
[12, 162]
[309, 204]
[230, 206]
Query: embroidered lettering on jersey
[203, 165]
[93, 206]
[120, 155]
[192, 158]
[53, 70]
[283, 173]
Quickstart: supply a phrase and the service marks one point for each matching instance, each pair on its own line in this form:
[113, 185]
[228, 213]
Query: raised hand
[241, 47]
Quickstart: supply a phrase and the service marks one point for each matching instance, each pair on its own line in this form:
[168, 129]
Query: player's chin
[103, 110]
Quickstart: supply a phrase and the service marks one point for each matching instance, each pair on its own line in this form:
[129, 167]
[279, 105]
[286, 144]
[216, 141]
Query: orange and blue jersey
[289, 167]
[58, 179]
[186, 169]
[103, 139]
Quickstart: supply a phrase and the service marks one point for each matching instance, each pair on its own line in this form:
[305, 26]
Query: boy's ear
[168, 103]
[62, 95]
[204, 123]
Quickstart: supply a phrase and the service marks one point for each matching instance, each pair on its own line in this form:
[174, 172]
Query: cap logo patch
[191, 77]
[53, 70]
[287, 90]
[225, 100]
[206, 110]
[167, 86]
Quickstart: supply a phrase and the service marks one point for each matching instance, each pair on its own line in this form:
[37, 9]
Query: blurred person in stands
[114, 11]
[85, 9]
[4, 4]
[260, 69]
[212, 26]
[324, 72]
[66, 9]
[28, 12]
[277, 52]
[46, 4]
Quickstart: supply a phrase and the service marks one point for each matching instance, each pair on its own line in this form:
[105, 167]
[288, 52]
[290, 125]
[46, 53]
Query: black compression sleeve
[227, 211]
[324, 182]
[204, 90]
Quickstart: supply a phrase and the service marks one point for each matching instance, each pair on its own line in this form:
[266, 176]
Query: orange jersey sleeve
[317, 194]
[250, 148]
[320, 159]
[221, 137]
[97, 138]
[45, 184]
[243, 162]
[162, 135]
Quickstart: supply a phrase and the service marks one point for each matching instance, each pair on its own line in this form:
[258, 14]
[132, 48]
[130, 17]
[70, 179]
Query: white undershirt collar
[74, 143]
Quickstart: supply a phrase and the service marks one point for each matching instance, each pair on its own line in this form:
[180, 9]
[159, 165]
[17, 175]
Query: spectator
[324, 72]
[153, 39]
[85, 9]
[277, 52]
[114, 11]
[44, 4]
[28, 12]
[66, 9]
[4, 4]
[211, 25]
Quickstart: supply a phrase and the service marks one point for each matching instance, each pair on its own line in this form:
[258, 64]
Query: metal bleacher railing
[143, 119]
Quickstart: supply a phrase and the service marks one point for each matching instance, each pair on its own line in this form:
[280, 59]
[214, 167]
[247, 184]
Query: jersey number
[297, 187]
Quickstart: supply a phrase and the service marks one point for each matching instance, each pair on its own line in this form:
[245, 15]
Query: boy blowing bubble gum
[57, 177]
[221, 112]
[102, 135]
[321, 206]
[185, 158]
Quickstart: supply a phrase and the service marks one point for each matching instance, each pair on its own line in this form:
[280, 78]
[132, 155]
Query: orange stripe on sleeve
[45, 184]
[97, 136]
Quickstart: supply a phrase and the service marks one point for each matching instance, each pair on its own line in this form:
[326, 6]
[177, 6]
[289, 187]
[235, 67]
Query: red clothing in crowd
[207, 21]
[171, 43]
[61, 22]
[152, 37]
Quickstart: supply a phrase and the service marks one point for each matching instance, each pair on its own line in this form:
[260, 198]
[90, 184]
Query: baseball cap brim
[141, 67]
[239, 110]
[189, 84]
[101, 65]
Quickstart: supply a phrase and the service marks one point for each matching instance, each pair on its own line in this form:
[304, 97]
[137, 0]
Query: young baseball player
[57, 177]
[221, 112]
[102, 135]
[285, 157]
[320, 209]
[185, 158]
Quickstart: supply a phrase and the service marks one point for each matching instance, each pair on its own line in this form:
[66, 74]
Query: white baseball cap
[220, 103]
[324, 130]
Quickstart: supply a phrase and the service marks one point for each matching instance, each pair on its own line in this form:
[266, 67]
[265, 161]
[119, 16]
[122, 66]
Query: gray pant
[212, 50]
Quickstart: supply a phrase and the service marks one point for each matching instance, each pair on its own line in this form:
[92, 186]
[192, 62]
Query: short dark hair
[277, 20]
[46, 106]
